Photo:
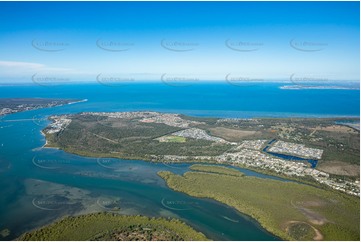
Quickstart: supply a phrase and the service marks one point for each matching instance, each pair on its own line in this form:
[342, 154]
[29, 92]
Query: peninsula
[14, 105]
[319, 151]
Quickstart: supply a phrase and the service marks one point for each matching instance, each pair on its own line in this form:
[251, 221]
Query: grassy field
[108, 226]
[289, 210]
[173, 138]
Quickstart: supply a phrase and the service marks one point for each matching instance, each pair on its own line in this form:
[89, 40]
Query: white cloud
[14, 67]
[22, 65]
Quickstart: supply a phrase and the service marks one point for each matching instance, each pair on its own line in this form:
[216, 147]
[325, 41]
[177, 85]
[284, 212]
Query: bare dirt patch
[231, 134]
[335, 128]
[313, 217]
[305, 207]
[339, 168]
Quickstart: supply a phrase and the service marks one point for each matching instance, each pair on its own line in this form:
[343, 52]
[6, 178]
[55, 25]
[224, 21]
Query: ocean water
[41, 185]
[212, 99]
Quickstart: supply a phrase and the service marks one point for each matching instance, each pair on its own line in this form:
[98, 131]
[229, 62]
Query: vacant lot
[231, 134]
[172, 138]
[336, 128]
[339, 168]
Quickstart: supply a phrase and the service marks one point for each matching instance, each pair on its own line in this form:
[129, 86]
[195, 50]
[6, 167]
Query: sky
[88, 41]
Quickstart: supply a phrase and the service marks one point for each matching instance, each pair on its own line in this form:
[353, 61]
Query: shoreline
[261, 115]
[45, 146]
[59, 105]
[309, 87]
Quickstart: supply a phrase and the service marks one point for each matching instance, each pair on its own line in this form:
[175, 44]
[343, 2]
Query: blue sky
[79, 41]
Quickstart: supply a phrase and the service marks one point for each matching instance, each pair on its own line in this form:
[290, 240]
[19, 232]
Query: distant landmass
[297, 87]
[14, 105]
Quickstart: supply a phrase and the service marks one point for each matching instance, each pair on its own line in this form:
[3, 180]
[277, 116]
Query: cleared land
[231, 134]
[109, 226]
[335, 128]
[172, 138]
[289, 210]
[340, 168]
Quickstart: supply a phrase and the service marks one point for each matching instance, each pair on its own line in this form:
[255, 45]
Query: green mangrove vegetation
[110, 226]
[217, 169]
[289, 210]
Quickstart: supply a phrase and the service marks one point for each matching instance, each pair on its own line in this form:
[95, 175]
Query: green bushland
[301, 231]
[127, 139]
[274, 204]
[110, 226]
[216, 169]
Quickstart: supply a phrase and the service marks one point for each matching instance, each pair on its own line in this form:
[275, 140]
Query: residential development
[295, 149]
[196, 133]
[14, 105]
[59, 123]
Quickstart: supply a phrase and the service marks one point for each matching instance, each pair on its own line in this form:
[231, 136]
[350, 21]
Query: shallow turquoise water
[134, 182]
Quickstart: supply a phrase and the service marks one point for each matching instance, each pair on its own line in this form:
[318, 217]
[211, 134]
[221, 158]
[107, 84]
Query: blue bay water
[212, 99]
[24, 164]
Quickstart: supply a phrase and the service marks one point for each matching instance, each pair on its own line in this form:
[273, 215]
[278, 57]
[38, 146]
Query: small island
[111, 226]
